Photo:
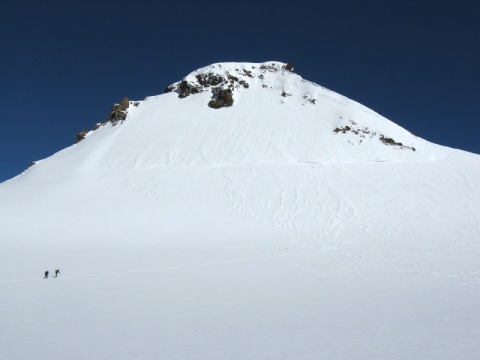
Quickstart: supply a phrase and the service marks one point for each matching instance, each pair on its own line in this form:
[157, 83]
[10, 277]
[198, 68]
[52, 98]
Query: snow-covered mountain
[246, 213]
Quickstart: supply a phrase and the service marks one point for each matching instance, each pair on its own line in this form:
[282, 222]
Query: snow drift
[246, 213]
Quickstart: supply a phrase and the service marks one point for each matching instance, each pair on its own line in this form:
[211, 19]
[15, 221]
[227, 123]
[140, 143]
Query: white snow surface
[247, 232]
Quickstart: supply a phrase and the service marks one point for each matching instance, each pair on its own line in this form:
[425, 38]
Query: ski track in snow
[61, 277]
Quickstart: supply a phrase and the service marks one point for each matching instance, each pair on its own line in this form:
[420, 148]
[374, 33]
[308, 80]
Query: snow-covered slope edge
[276, 117]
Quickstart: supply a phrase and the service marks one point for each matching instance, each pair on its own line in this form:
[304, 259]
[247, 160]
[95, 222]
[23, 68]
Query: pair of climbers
[56, 274]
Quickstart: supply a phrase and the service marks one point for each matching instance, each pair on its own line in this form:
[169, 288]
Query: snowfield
[294, 224]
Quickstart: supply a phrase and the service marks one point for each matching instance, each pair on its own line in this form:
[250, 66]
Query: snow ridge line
[163, 268]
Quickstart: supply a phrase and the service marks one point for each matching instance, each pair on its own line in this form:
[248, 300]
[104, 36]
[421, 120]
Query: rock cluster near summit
[119, 111]
[222, 86]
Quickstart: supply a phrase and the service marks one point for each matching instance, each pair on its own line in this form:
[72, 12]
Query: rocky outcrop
[289, 67]
[391, 142]
[223, 84]
[81, 135]
[209, 79]
[223, 99]
[221, 87]
[363, 133]
[186, 89]
[119, 112]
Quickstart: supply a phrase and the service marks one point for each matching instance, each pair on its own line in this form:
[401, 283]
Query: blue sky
[64, 63]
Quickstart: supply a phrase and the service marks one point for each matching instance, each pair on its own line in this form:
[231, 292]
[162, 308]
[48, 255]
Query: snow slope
[294, 224]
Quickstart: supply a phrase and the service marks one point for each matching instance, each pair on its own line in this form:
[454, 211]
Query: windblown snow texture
[246, 213]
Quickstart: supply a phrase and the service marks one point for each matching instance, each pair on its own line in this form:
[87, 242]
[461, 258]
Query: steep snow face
[270, 116]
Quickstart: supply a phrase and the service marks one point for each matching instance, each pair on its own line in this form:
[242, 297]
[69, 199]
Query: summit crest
[222, 80]
[239, 113]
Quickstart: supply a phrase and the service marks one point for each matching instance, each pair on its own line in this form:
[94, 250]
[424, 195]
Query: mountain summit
[243, 113]
[245, 213]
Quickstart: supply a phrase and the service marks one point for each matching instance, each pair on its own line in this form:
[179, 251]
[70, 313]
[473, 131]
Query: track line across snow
[163, 268]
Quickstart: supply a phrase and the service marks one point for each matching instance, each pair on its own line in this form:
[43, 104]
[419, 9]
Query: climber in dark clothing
[57, 272]
[46, 275]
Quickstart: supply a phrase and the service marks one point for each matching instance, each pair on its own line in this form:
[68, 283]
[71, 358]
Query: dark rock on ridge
[81, 135]
[224, 99]
[119, 112]
[391, 142]
[210, 79]
[185, 89]
[364, 132]
[222, 86]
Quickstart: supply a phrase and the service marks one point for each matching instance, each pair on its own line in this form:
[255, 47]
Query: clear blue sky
[64, 63]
